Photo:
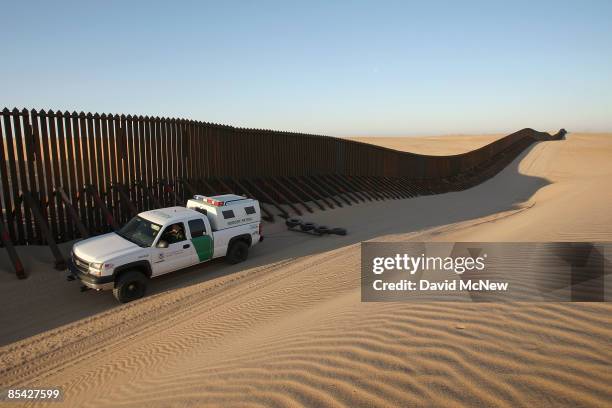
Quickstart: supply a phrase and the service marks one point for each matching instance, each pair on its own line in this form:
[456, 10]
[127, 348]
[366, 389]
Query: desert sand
[287, 328]
[431, 145]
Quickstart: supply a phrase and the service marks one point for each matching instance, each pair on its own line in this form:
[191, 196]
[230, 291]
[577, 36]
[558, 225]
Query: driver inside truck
[174, 233]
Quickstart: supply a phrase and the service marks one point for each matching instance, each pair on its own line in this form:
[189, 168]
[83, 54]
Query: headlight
[95, 268]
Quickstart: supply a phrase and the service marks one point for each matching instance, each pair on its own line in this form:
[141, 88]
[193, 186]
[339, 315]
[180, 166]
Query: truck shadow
[46, 301]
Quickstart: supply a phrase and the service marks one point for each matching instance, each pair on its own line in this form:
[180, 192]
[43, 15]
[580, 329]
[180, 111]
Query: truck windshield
[140, 231]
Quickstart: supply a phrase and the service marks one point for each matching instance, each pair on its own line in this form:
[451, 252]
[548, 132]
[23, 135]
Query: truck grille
[81, 264]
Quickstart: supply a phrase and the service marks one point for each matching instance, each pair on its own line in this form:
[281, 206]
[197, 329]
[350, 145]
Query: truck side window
[249, 210]
[174, 233]
[228, 214]
[197, 228]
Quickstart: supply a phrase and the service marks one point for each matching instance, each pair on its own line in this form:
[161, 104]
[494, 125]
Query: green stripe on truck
[204, 247]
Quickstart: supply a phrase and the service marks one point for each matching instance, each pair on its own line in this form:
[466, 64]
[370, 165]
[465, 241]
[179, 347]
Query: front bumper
[93, 282]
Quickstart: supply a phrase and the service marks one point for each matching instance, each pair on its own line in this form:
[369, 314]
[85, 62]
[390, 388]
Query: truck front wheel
[237, 252]
[130, 286]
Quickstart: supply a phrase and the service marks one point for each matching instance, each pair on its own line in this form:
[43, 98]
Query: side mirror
[162, 244]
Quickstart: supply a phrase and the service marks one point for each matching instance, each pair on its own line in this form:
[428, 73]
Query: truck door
[201, 239]
[178, 254]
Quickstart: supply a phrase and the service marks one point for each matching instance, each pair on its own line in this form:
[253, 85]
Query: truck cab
[164, 240]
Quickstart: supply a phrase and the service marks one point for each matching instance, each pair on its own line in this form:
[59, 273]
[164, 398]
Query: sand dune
[287, 328]
[432, 145]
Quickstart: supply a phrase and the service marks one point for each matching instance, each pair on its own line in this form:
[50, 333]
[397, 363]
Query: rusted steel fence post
[72, 212]
[308, 196]
[13, 256]
[263, 196]
[289, 193]
[269, 186]
[245, 191]
[301, 181]
[110, 220]
[125, 199]
[60, 262]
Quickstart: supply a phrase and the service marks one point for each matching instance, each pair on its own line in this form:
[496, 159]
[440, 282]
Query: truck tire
[308, 226]
[293, 222]
[237, 252]
[130, 286]
[322, 229]
[338, 231]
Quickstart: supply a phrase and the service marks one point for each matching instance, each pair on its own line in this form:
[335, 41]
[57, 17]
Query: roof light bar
[216, 203]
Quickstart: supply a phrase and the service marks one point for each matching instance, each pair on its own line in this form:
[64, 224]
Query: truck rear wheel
[237, 252]
[130, 286]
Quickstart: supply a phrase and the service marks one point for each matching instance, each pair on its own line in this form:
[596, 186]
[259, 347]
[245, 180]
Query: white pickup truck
[160, 241]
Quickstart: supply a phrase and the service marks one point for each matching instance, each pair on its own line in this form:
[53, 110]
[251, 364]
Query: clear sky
[331, 67]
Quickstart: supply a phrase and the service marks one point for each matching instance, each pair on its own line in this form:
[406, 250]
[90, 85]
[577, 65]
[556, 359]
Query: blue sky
[337, 68]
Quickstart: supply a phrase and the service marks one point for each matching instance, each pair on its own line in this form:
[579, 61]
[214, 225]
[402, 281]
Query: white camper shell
[227, 210]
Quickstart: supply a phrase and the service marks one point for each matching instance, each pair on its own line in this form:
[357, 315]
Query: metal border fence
[71, 175]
